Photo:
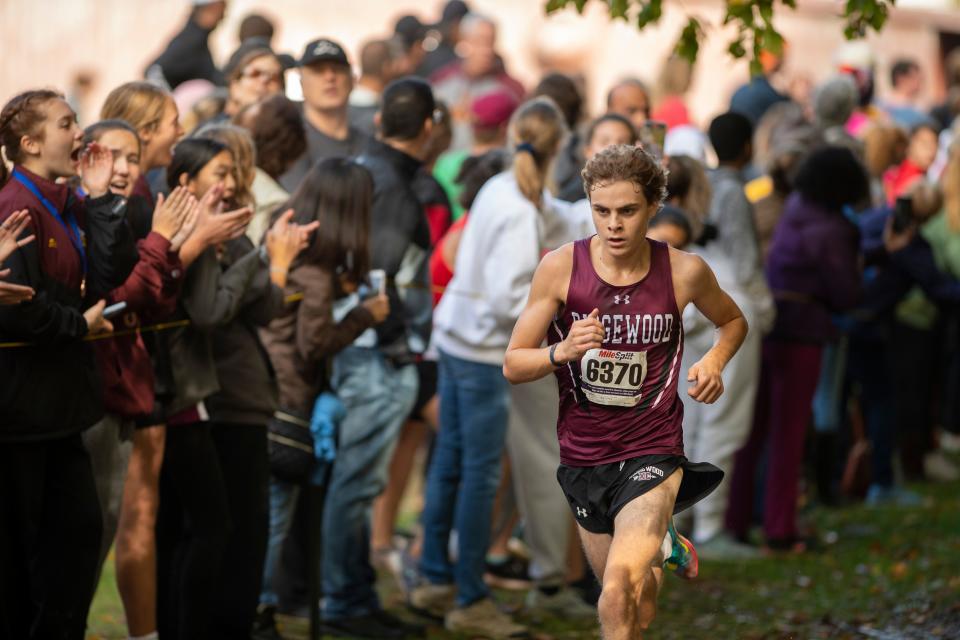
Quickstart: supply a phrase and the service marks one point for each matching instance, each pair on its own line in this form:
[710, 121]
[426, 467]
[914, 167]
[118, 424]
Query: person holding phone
[302, 340]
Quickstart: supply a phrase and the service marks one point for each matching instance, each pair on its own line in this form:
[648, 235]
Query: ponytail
[536, 130]
[21, 116]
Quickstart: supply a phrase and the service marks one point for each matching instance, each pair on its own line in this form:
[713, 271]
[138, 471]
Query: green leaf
[771, 40]
[556, 5]
[766, 10]
[689, 43]
[650, 13]
[579, 4]
[618, 9]
[790, 3]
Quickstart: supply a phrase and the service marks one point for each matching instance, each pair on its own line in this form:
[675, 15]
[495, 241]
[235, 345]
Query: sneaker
[390, 560]
[265, 624]
[723, 547]
[565, 603]
[432, 601]
[682, 558]
[878, 496]
[939, 468]
[409, 629]
[367, 626]
[512, 573]
[482, 618]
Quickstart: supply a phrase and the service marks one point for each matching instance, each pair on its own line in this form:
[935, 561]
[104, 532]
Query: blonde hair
[536, 129]
[139, 103]
[240, 143]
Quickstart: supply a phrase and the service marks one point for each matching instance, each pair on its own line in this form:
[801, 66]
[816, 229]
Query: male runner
[611, 306]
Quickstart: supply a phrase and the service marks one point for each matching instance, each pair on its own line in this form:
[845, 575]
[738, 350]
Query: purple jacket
[813, 270]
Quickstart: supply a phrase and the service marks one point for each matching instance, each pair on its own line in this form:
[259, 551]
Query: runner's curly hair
[625, 162]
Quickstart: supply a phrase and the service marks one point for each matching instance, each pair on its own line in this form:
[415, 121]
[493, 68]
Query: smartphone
[378, 281]
[114, 310]
[902, 214]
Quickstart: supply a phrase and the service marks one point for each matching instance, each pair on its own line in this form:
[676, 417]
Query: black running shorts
[597, 494]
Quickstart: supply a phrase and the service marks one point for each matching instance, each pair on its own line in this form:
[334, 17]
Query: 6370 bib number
[613, 378]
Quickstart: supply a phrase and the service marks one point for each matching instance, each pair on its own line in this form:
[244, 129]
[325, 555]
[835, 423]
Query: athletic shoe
[939, 468]
[512, 573]
[361, 627]
[389, 560]
[265, 624]
[482, 618]
[723, 547]
[565, 603]
[432, 601]
[683, 559]
[878, 496]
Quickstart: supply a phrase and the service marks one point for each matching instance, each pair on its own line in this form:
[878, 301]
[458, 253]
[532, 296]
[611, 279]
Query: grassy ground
[889, 574]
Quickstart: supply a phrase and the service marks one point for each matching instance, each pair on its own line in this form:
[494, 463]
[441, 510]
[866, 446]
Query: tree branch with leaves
[752, 19]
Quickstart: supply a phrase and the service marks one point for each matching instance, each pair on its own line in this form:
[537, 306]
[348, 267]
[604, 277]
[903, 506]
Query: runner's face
[326, 85]
[620, 214]
[126, 160]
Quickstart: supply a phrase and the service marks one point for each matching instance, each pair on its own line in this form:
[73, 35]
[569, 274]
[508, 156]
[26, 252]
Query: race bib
[613, 377]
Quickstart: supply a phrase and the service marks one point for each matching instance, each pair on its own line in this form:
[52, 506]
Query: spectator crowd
[240, 334]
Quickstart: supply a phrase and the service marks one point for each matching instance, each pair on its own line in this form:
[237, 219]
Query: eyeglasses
[260, 74]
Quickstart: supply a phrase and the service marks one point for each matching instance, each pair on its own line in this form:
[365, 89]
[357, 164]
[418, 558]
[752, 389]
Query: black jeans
[193, 525]
[242, 452]
[50, 529]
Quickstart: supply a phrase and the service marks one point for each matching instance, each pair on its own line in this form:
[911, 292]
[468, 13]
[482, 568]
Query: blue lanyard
[73, 230]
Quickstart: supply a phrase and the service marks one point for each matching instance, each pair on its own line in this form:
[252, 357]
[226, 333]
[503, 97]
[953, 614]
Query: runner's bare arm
[705, 293]
[525, 360]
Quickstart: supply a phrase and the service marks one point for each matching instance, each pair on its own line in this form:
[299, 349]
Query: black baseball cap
[323, 50]
[410, 30]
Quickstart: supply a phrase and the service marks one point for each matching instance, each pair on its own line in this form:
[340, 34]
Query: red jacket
[150, 291]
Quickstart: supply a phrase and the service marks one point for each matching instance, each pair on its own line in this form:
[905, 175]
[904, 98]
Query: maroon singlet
[621, 401]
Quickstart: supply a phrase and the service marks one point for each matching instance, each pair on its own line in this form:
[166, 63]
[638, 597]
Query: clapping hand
[10, 241]
[96, 169]
[10, 232]
[171, 212]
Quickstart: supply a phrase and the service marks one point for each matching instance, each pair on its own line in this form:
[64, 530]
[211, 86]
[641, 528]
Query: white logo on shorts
[647, 473]
[582, 513]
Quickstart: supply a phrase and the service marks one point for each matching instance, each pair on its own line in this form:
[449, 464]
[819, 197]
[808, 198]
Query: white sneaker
[482, 618]
[565, 603]
[939, 468]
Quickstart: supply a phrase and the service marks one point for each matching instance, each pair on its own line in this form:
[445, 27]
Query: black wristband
[553, 348]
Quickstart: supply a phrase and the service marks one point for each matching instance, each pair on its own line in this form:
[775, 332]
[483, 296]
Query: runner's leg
[632, 575]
